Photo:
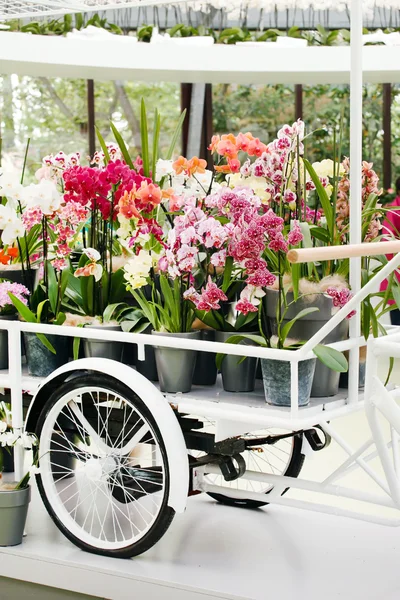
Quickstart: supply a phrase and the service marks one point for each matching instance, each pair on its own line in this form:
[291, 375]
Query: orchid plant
[9, 438]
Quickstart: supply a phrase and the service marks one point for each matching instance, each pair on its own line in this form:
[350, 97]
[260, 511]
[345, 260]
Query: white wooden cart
[118, 458]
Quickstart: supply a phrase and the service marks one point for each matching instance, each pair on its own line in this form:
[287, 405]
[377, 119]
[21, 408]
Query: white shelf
[50, 56]
[251, 407]
[244, 407]
[29, 384]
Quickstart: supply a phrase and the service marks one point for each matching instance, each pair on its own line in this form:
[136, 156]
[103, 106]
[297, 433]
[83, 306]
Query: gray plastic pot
[237, 376]
[103, 349]
[175, 367]
[13, 512]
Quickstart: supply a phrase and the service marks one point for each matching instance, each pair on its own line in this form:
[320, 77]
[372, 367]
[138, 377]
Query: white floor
[214, 551]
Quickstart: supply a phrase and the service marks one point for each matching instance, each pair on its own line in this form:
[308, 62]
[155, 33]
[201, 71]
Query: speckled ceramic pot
[41, 362]
[276, 378]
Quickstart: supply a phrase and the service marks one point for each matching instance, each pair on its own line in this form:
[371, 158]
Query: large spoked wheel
[282, 458]
[104, 475]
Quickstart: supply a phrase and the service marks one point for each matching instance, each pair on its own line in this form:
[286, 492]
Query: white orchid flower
[93, 254]
[43, 194]
[7, 215]
[12, 232]
[10, 185]
[163, 168]
[27, 441]
[8, 438]
[3, 426]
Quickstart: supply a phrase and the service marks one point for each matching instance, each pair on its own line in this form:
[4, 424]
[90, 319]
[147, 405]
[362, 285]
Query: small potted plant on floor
[14, 496]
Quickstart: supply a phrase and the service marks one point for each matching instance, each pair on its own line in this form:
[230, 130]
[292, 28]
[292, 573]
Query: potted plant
[45, 353]
[123, 199]
[97, 296]
[9, 312]
[44, 229]
[14, 496]
[169, 314]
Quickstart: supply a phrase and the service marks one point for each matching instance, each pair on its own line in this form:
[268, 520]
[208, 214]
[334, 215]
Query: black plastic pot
[8, 460]
[148, 367]
[205, 372]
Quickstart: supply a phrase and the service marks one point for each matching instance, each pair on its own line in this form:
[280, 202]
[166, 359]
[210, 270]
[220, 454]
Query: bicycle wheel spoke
[115, 464]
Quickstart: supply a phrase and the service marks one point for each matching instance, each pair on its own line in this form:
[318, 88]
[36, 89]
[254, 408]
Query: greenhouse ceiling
[252, 13]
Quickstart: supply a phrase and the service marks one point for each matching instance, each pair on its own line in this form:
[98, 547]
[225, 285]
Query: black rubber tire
[293, 470]
[166, 513]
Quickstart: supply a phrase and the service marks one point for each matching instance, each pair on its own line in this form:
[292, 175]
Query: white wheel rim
[82, 497]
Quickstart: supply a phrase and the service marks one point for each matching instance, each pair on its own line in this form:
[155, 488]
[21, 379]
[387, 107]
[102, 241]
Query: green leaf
[243, 321]
[103, 146]
[22, 309]
[227, 273]
[156, 141]
[170, 300]
[320, 234]
[65, 273]
[288, 326]
[118, 286]
[110, 311]
[323, 196]
[73, 290]
[174, 30]
[52, 287]
[236, 339]
[75, 347]
[40, 310]
[61, 317]
[296, 276]
[175, 135]
[78, 21]
[391, 365]
[257, 339]
[137, 327]
[145, 307]
[396, 294]
[212, 319]
[331, 358]
[145, 139]
[122, 146]
[366, 320]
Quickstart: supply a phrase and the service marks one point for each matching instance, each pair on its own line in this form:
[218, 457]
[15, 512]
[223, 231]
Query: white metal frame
[243, 417]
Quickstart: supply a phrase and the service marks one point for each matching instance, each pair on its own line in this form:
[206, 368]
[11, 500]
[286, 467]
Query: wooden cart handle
[304, 255]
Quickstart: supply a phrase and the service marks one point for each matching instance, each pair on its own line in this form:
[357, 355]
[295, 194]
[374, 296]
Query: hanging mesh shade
[14, 9]
[18, 9]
